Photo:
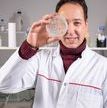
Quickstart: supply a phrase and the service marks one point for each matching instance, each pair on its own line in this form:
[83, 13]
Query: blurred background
[28, 11]
[32, 10]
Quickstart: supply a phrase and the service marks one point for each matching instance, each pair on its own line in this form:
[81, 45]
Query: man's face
[77, 26]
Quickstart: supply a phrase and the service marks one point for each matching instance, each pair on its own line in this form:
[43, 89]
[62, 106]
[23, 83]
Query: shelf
[8, 48]
[16, 32]
[14, 48]
[98, 48]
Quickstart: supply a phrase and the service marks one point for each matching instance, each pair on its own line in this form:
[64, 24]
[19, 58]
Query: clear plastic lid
[58, 26]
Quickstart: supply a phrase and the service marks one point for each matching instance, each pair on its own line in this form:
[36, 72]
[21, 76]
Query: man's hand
[38, 35]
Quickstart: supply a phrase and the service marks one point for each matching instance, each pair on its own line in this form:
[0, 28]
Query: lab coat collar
[85, 53]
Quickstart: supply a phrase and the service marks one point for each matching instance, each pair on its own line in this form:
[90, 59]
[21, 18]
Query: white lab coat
[83, 86]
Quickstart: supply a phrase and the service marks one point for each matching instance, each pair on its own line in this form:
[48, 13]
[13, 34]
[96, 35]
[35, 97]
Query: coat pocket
[89, 97]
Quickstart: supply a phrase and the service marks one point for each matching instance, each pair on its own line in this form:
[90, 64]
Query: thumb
[52, 39]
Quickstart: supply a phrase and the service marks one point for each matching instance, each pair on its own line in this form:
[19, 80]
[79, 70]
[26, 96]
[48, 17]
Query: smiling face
[77, 25]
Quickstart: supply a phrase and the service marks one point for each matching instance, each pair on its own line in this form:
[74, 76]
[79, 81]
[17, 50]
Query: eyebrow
[76, 19]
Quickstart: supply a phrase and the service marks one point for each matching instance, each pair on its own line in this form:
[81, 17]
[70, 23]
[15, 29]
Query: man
[69, 76]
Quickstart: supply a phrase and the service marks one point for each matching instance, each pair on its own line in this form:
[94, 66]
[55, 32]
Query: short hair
[82, 3]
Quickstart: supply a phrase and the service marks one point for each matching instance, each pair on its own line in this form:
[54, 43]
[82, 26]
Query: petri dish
[58, 26]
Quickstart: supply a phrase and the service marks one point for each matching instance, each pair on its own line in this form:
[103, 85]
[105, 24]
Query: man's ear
[86, 25]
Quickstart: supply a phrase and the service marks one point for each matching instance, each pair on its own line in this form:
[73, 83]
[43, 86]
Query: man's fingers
[49, 16]
[52, 39]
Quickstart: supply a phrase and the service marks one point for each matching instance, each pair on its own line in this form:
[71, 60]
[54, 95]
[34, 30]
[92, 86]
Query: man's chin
[71, 45]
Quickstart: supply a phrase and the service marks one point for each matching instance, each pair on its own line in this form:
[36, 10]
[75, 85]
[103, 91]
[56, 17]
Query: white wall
[34, 9]
[97, 15]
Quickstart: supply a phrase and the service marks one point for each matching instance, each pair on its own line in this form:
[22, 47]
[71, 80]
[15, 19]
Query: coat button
[65, 84]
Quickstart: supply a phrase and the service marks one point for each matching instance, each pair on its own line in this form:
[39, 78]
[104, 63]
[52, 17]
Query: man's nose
[71, 28]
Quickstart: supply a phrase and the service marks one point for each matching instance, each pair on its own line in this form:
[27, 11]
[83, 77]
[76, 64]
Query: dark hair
[82, 3]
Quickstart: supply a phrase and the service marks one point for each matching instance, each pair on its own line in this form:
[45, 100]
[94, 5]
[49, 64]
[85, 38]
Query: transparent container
[58, 26]
[2, 25]
[101, 38]
[19, 21]
[0, 41]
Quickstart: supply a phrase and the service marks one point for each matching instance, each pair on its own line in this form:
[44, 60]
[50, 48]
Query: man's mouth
[71, 37]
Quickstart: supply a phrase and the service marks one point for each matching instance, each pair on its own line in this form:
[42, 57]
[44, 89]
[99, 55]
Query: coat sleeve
[18, 74]
[105, 92]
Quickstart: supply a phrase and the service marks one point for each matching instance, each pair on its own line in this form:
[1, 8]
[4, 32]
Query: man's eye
[77, 23]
